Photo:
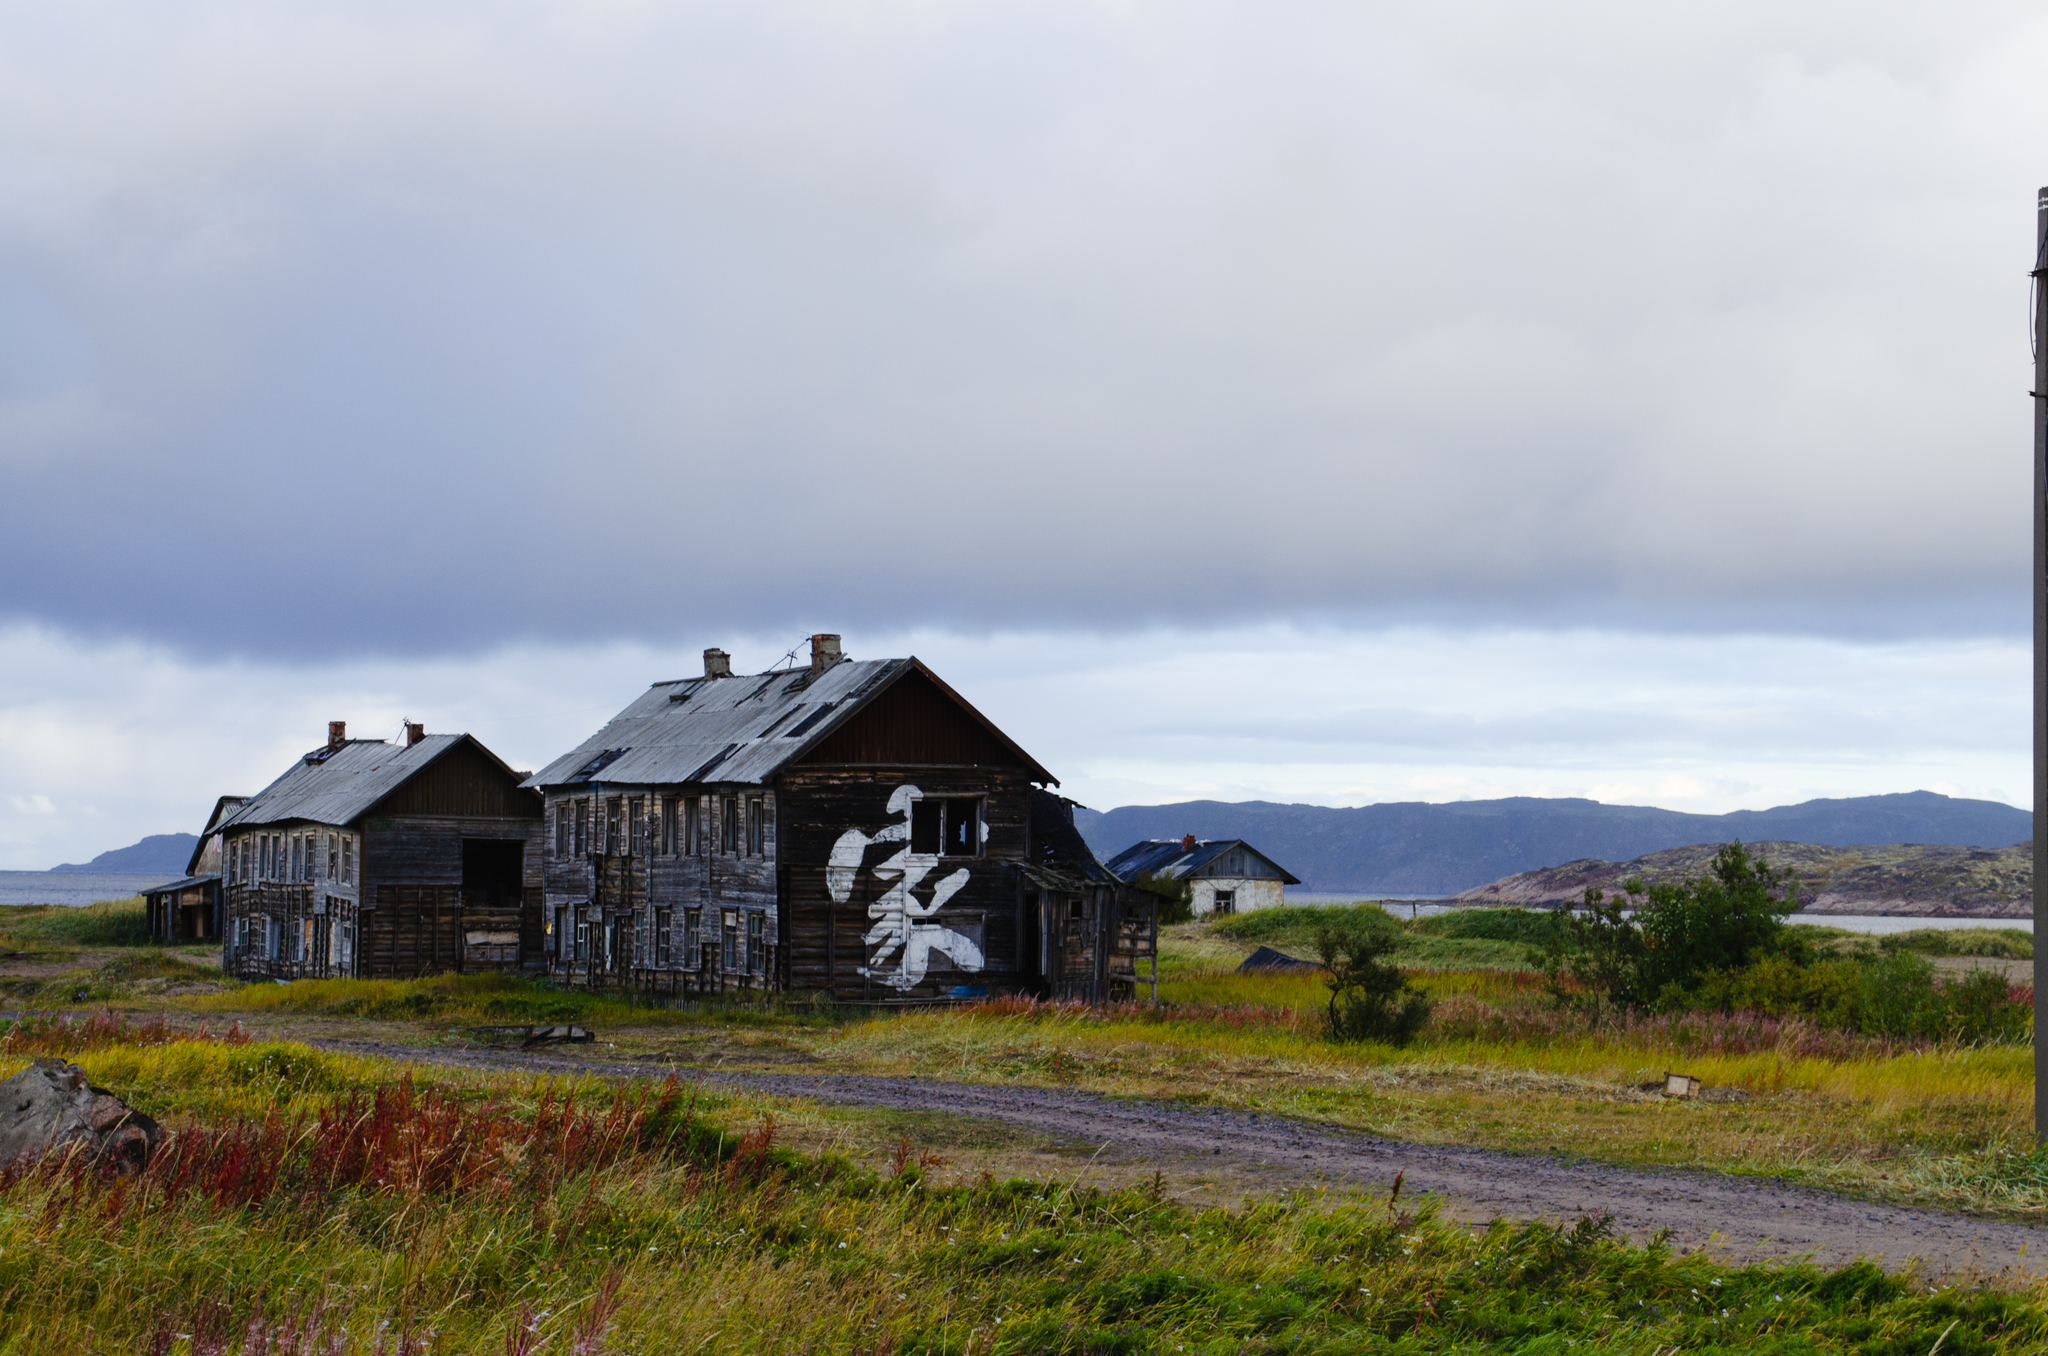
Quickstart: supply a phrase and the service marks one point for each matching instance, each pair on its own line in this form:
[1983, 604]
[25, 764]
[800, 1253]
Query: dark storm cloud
[416, 329]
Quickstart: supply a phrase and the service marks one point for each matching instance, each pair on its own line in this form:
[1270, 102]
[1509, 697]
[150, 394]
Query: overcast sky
[1318, 402]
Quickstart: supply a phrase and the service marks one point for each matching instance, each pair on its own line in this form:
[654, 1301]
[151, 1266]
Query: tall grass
[399, 1219]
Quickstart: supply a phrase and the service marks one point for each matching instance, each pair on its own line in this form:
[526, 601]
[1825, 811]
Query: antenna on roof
[790, 658]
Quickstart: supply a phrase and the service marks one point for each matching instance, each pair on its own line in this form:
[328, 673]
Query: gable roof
[743, 729]
[1168, 859]
[341, 786]
[221, 808]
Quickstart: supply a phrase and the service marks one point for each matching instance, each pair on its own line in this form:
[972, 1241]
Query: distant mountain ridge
[159, 854]
[1415, 848]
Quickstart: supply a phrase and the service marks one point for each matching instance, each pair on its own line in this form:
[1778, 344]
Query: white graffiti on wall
[900, 933]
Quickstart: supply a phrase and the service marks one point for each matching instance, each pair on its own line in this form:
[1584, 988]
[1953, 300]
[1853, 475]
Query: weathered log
[49, 1107]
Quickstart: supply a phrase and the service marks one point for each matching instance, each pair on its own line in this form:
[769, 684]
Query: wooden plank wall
[462, 783]
[826, 949]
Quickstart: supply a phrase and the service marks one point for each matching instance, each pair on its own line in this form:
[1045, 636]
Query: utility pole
[2037, 286]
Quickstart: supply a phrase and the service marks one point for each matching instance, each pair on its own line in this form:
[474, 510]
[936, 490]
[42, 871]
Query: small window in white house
[1226, 901]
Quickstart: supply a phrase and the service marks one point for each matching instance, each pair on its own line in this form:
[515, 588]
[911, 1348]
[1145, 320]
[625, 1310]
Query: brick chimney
[1189, 843]
[414, 733]
[337, 734]
[717, 664]
[824, 653]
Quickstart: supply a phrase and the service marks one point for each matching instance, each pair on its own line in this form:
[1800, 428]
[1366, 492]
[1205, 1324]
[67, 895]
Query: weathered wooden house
[1228, 875]
[189, 910]
[853, 829]
[378, 860]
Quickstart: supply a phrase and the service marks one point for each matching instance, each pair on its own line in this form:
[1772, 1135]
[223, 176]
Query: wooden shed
[382, 860]
[852, 829]
[189, 910]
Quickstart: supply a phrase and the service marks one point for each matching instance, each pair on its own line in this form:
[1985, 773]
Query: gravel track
[1737, 1217]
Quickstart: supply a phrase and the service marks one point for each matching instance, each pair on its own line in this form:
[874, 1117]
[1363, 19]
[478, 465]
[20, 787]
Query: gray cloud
[414, 330]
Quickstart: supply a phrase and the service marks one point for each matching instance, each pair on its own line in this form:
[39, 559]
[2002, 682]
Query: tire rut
[1733, 1216]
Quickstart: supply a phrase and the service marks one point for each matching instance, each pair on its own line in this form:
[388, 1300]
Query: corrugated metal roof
[184, 884]
[742, 729]
[334, 788]
[1168, 859]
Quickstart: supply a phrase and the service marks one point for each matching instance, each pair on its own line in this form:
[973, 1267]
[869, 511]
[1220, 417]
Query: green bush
[1996, 943]
[1176, 897]
[1892, 994]
[1369, 998]
[1651, 942]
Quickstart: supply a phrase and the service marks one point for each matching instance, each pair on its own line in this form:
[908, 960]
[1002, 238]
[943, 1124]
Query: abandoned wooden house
[377, 860]
[189, 910]
[852, 829]
[1227, 875]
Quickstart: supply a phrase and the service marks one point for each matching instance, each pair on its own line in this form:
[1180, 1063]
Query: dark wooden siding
[826, 950]
[913, 723]
[464, 782]
[412, 868]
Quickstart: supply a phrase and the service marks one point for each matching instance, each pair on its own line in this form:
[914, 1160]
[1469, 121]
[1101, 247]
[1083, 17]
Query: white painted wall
[1251, 894]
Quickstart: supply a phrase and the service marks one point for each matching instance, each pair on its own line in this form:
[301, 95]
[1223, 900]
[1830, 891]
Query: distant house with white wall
[1228, 875]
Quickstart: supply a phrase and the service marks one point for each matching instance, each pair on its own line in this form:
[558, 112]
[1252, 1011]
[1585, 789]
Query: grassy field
[319, 1203]
[855, 1231]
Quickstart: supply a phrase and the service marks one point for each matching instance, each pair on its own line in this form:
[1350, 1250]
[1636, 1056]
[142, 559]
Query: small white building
[1228, 875]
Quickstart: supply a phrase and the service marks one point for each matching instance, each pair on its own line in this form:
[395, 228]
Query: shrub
[1652, 944]
[1370, 999]
[1895, 995]
[1176, 897]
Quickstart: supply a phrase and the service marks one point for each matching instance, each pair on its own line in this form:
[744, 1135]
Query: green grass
[110, 922]
[681, 1224]
[483, 998]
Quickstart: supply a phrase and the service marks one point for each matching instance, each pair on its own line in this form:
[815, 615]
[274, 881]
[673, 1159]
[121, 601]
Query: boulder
[49, 1107]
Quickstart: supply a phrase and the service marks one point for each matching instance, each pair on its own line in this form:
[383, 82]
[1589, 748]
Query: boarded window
[664, 923]
[636, 826]
[946, 826]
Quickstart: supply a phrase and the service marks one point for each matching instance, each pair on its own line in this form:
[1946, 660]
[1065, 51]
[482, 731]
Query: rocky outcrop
[49, 1107]
[1907, 879]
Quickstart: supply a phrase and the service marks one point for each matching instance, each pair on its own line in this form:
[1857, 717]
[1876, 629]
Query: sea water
[72, 887]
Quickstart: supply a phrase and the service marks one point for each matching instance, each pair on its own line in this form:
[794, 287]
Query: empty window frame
[333, 842]
[729, 939]
[636, 826]
[668, 826]
[1226, 901]
[348, 858]
[757, 826]
[729, 825]
[664, 925]
[612, 812]
[946, 826]
[693, 937]
[582, 827]
[693, 826]
[757, 943]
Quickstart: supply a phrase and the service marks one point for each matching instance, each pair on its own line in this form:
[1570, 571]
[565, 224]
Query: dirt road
[1733, 1216]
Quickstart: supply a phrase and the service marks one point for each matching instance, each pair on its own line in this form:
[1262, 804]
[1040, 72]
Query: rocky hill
[1897, 878]
[160, 854]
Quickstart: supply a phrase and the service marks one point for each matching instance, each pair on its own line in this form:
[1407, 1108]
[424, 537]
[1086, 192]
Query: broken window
[729, 939]
[757, 827]
[756, 942]
[636, 826]
[946, 826]
[663, 923]
[729, 825]
[333, 841]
